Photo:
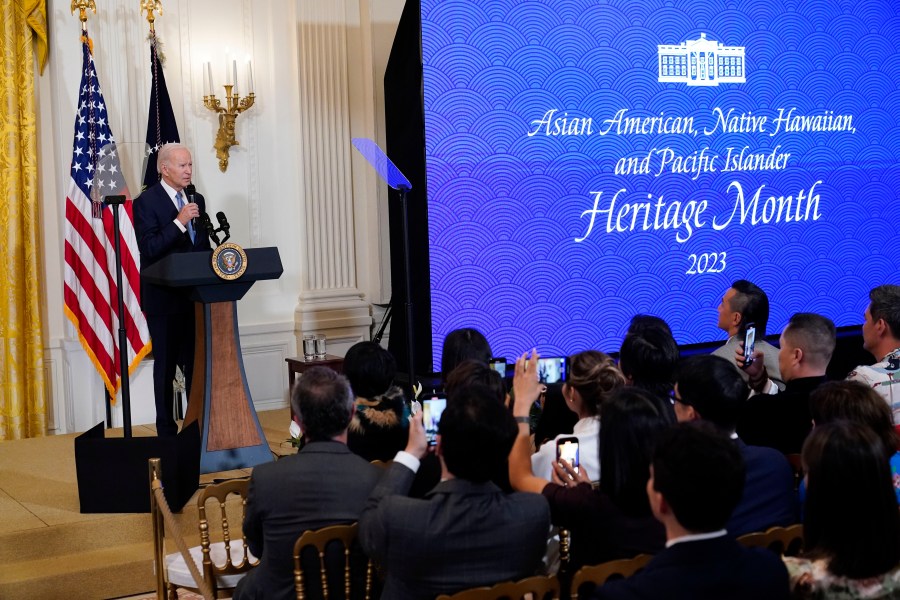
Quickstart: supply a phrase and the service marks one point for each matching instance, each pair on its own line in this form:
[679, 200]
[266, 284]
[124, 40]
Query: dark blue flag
[161, 126]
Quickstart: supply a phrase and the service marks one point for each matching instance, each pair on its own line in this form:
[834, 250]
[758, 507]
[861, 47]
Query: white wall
[293, 182]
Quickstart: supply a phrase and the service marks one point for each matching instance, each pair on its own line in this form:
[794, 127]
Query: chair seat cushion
[179, 574]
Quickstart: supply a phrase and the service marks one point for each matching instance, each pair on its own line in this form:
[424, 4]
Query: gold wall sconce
[234, 105]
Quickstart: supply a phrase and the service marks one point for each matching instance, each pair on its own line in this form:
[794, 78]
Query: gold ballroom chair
[535, 588]
[595, 575]
[222, 563]
[320, 540]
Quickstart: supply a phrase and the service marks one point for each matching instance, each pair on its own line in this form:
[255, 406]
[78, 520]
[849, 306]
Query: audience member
[709, 388]
[743, 304]
[463, 344]
[555, 418]
[592, 377]
[881, 337]
[379, 428]
[488, 385]
[642, 322]
[324, 484]
[780, 419]
[466, 532]
[696, 479]
[858, 403]
[613, 521]
[649, 355]
[851, 526]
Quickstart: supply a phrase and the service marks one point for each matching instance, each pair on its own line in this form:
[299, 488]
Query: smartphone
[552, 370]
[567, 448]
[749, 343]
[431, 413]
[499, 365]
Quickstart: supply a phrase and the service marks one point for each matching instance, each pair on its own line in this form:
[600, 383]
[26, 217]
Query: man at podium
[166, 220]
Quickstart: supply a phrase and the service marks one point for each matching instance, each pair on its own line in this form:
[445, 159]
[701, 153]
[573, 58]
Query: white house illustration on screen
[701, 62]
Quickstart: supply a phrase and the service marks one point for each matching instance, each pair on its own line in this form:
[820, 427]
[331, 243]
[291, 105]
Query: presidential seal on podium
[229, 261]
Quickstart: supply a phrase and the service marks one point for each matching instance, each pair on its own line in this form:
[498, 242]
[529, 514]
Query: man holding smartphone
[466, 532]
[742, 304]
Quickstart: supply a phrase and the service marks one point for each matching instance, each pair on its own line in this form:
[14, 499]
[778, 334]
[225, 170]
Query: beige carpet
[49, 549]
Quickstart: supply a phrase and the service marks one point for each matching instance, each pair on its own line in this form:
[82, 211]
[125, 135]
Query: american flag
[90, 272]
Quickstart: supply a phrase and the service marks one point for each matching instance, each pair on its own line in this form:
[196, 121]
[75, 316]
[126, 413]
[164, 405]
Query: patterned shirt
[811, 579]
[884, 378]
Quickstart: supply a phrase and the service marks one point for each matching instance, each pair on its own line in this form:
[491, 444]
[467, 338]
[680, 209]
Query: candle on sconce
[205, 80]
[234, 73]
[227, 70]
[212, 86]
[250, 87]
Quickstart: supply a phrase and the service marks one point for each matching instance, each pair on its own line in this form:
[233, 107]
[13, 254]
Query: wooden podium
[231, 436]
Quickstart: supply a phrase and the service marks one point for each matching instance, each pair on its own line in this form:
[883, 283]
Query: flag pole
[152, 6]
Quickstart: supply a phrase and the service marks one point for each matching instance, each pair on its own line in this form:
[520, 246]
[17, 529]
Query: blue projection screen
[590, 160]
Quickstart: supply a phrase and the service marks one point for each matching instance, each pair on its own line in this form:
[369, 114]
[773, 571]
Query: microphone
[224, 227]
[210, 228]
[191, 190]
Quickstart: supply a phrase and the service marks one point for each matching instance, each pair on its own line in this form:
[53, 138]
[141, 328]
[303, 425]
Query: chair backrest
[321, 539]
[784, 541]
[220, 493]
[600, 574]
[536, 588]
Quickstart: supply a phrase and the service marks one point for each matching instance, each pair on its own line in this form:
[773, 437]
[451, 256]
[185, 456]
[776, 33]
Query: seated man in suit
[745, 303]
[466, 532]
[696, 479]
[709, 388]
[780, 419]
[324, 484]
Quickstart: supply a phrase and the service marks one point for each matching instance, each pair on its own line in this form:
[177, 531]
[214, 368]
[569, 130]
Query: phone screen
[499, 365]
[431, 413]
[749, 344]
[567, 449]
[552, 370]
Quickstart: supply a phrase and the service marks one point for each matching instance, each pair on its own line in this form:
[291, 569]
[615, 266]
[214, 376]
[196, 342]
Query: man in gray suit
[745, 303]
[324, 484]
[466, 532]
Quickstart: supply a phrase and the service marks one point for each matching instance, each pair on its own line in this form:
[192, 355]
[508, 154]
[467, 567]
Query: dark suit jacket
[461, 535]
[781, 420]
[157, 237]
[716, 569]
[769, 498]
[324, 484]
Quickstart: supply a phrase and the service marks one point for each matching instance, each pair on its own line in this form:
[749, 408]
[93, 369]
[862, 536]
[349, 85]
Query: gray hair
[323, 401]
[162, 157]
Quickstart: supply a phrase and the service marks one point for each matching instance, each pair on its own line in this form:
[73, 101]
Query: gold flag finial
[151, 6]
[83, 6]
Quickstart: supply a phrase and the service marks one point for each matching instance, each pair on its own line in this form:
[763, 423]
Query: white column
[330, 301]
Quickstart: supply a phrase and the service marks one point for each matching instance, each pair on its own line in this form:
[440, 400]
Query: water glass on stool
[320, 346]
[309, 346]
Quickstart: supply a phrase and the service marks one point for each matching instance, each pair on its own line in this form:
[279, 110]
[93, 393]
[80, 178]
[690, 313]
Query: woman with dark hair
[851, 527]
[859, 403]
[592, 377]
[379, 429]
[613, 521]
[461, 345]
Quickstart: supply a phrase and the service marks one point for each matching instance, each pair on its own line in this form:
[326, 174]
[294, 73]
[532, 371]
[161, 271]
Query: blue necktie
[190, 226]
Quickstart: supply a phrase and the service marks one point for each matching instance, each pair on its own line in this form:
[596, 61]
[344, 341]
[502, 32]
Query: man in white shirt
[881, 337]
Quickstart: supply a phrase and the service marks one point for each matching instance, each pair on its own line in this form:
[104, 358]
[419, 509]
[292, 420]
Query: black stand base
[112, 472]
